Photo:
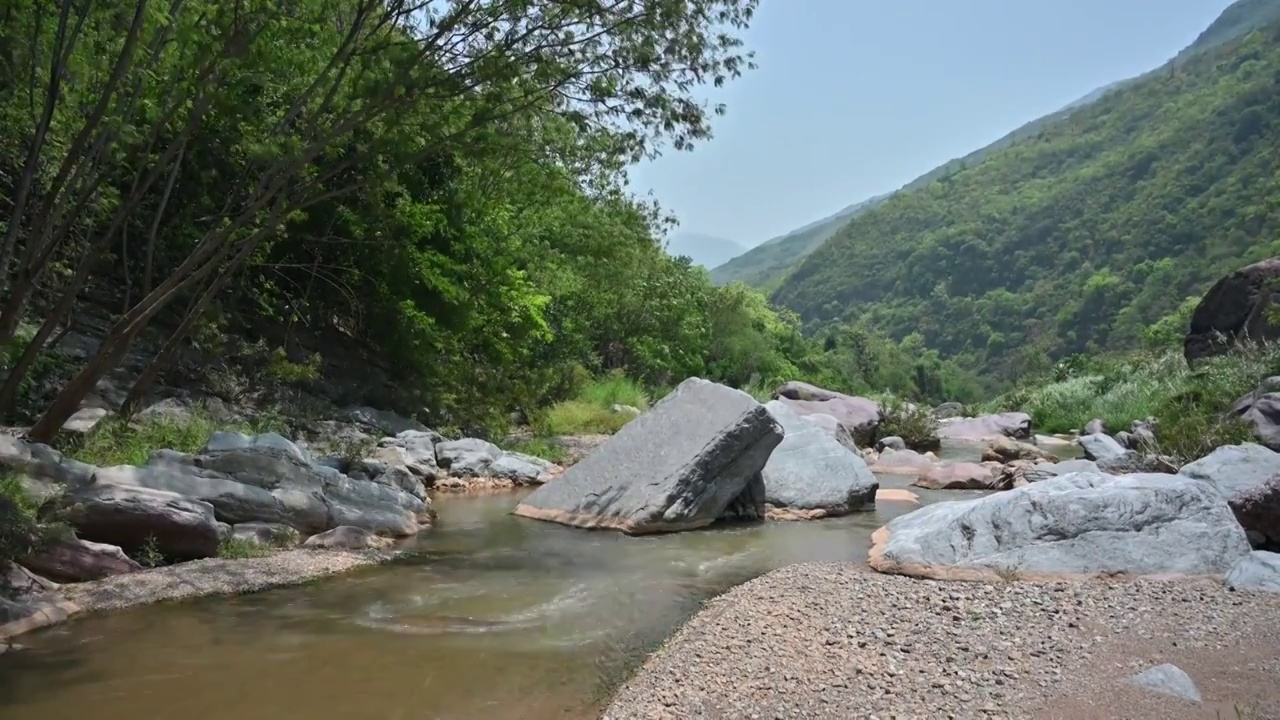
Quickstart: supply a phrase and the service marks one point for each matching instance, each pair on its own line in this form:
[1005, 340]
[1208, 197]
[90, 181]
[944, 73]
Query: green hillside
[1080, 236]
[765, 265]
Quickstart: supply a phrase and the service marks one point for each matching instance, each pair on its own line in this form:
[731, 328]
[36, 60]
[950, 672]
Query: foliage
[149, 554]
[1191, 405]
[22, 530]
[114, 441]
[577, 417]
[1079, 236]
[915, 424]
[541, 448]
[614, 389]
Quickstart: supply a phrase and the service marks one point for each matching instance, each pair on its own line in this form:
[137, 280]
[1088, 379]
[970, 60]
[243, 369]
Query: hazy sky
[854, 98]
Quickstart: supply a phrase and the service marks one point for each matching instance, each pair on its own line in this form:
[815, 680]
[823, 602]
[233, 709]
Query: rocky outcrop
[858, 415]
[1006, 449]
[76, 560]
[811, 474]
[695, 457]
[1259, 571]
[1248, 477]
[1261, 410]
[1234, 311]
[1015, 425]
[1077, 525]
[29, 602]
[948, 410]
[1100, 446]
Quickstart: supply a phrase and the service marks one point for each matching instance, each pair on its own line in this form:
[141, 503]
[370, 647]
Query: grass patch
[541, 448]
[22, 532]
[1191, 405]
[234, 548]
[591, 412]
[116, 442]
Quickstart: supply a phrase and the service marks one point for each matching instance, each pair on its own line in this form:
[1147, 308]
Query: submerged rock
[811, 473]
[1082, 524]
[695, 457]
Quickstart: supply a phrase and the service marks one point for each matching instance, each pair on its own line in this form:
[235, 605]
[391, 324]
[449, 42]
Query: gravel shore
[839, 641]
[215, 577]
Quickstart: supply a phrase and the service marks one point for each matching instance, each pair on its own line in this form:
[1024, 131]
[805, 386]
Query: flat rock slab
[1078, 525]
[987, 427]
[812, 470]
[695, 457]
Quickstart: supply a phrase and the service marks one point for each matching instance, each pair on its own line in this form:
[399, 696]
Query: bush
[915, 424]
[614, 389]
[240, 549]
[1191, 405]
[21, 531]
[542, 448]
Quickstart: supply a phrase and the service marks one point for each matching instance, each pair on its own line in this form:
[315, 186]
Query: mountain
[705, 250]
[1077, 235]
[767, 265]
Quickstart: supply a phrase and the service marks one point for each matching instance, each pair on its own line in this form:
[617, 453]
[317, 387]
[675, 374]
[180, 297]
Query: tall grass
[116, 442]
[592, 410]
[1190, 404]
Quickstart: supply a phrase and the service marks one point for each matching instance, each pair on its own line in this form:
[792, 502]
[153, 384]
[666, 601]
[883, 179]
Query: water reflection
[491, 616]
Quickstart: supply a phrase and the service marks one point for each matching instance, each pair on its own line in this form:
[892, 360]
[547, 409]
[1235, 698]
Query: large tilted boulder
[1248, 477]
[811, 473]
[858, 415]
[1234, 311]
[1014, 425]
[1082, 524]
[695, 457]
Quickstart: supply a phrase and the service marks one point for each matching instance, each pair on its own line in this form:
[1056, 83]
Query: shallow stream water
[492, 617]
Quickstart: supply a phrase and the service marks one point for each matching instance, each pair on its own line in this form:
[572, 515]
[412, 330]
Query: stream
[490, 617]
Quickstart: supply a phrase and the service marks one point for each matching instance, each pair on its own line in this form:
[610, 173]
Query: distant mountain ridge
[1084, 234]
[767, 265]
[705, 250]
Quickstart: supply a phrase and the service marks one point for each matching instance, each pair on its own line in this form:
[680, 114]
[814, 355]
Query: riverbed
[488, 617]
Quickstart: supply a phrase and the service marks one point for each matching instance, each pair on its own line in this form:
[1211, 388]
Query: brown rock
[1234, 309]
[78, 560]
[1006, 449]
[958, 476]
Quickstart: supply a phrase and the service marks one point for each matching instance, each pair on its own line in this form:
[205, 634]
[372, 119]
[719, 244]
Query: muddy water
[492, 618]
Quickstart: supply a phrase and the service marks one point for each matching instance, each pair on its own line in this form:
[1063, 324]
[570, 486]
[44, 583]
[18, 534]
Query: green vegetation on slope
[1080, 238]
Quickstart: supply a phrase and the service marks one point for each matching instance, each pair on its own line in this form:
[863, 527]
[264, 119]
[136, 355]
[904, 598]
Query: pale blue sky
[854, 98]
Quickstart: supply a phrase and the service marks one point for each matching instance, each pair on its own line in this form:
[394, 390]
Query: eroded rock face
[1015, 425]
[1248, 477]
[695, 457]
[75, 560]
[813, 474]
[1082, 524]
[1233, 311]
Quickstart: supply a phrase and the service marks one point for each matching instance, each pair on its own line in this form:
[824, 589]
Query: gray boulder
[522, 469]
[948, 410]
[987, 427]
[1082, 524]
[1094, 427]
[132, 518]
[1259, 571]
[1261, 410]
[832, 427]
[695, 457]
[468, 457]
[386, 422]
[1100, 446]
[417, 452]
[893, 442]
[1248, 476]
[812, 473]
[345, 537]
[1168, 680]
